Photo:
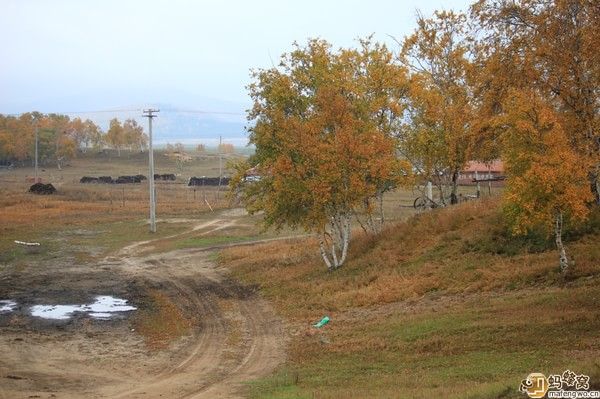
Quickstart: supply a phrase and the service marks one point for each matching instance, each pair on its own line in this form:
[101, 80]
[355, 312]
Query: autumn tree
[134, 136]
[60, 137]
[92, 135]
[547, 185]
[56, 140]
[553, 47]
[437, 138]
[17, 136]
[76, 131]
[318, 153]
[380, 87]
[115, 136]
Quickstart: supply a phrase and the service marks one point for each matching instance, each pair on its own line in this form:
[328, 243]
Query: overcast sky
[74, 55]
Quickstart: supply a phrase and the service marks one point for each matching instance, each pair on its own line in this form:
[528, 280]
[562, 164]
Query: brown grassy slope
[445, 304]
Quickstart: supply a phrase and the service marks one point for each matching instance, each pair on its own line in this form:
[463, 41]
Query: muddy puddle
[103, 307]
[7, 305]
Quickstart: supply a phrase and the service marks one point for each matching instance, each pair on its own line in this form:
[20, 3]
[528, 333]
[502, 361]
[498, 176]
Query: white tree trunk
[563, 259]
[334, 241]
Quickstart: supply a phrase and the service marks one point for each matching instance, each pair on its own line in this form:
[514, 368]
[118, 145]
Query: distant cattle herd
[166, 177]
[194, 181]
[124, 179]
[40, 188]
[208, 181]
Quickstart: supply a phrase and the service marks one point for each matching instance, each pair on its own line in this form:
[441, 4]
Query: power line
[73, 112]
[168, 110]
[99, 111]
[199, 111]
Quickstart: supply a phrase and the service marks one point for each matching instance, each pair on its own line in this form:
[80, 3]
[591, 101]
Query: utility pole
[36, 152]
[149, 113]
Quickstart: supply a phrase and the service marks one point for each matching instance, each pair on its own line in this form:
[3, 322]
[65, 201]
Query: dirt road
[232, 335]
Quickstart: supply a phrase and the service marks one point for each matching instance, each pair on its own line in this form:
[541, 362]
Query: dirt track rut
[237, 337]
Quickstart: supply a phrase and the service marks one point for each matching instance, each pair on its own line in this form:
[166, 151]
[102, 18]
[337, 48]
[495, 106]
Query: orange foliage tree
[318, 148]
[115, 136]
[437, 138]
[554, 48]
[380, 86]
[548, 185]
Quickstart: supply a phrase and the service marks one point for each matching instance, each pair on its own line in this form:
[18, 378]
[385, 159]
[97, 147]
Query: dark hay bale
[88, 179]
[165, 177]
[42, 189]
[195, 181]
[208, 181]
[128, 179]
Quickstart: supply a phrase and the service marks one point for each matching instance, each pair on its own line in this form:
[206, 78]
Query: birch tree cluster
[517, 80]
[61, 138]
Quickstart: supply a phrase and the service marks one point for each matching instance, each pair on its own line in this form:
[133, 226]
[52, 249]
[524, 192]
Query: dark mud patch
[35, 289]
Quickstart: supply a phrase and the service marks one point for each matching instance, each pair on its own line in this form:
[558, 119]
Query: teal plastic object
[323, 321]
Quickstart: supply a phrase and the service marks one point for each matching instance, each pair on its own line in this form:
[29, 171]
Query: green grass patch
[209, 241]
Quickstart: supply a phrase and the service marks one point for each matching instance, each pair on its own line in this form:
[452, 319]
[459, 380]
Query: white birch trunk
[563, 259]
[339, 237]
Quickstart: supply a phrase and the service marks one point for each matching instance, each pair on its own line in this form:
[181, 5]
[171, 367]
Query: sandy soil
[235, 336]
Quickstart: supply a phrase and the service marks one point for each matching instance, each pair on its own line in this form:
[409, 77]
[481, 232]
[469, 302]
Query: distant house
[474, 170]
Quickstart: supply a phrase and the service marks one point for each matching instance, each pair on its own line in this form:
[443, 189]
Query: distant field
[108, 163]
[80, 204]
[75, 204]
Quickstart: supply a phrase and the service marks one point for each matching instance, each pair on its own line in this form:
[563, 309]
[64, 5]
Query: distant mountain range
[201, 122]
[175, 125]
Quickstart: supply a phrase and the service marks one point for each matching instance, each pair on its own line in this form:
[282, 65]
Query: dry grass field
[26, 216]
[445, 304]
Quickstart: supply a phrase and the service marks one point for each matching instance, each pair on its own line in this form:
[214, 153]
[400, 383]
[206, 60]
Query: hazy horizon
[68, 56]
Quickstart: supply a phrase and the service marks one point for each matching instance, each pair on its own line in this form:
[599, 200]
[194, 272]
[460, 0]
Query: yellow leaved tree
[553, 47]
[320, 152]
[547, 184]
[437, 138]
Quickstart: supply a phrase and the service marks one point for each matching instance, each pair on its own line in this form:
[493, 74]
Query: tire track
[206, 372]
